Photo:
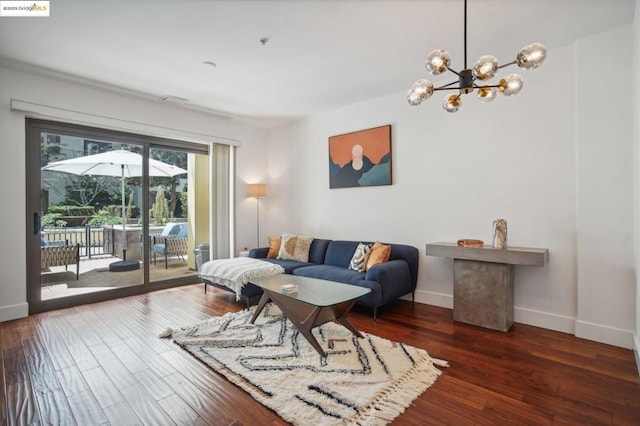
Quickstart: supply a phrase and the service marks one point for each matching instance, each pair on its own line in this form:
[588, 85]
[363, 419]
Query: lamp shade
[256, 190]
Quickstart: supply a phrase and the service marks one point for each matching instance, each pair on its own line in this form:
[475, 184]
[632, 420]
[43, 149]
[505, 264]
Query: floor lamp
[257, 191]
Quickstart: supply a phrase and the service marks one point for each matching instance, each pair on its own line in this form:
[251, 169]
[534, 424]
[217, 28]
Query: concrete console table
[483, 281]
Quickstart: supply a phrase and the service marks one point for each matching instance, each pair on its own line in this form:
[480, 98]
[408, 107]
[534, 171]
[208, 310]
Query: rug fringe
[392, 402]
[440, 362]
[166, 333]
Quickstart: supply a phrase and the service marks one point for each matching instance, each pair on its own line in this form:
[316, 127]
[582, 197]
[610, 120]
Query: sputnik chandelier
[485, 68]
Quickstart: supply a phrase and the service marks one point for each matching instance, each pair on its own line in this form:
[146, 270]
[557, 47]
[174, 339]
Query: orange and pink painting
[360, 158]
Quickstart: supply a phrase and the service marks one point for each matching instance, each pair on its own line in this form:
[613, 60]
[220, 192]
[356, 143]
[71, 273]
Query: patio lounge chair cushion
[175, 231]
[171, 228]
[45, 243]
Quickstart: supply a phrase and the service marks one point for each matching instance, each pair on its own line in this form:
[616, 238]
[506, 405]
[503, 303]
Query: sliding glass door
[110, 213]
[178, 213]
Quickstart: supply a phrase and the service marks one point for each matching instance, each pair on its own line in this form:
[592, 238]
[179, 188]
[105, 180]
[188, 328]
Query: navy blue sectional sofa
[329, 260]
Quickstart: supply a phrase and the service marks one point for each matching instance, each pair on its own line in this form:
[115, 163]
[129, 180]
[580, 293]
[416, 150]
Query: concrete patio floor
[95, 276]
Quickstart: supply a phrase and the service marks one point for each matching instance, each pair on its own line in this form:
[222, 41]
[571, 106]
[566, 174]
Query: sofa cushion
[288, 265]
[259, 253]
[359, 259]
[295, 247]
[330, 273]
[274, 247]
[339, 253]
[318, 250]
[379, 253]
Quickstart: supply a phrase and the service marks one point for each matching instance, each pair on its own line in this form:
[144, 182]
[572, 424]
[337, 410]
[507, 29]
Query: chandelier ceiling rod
[465, 34]
[485, 68]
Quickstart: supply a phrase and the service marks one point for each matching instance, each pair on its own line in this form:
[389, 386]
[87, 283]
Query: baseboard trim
[525, 316]
[546, 320]
[550, 321]
[8, 313]
[436, 299]
[636, 351]
[604, 334]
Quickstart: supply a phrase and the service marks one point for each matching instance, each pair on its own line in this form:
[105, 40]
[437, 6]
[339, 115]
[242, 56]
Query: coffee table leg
[345, 322]
[263, 301]
[342, 319]
[305, 326]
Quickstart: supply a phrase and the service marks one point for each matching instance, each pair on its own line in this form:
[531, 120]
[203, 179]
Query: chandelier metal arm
[446, 86]
[506, 65]
[454, 71]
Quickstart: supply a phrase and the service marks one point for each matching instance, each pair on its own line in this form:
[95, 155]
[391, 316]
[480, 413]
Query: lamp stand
[257, 191]
[258, 222]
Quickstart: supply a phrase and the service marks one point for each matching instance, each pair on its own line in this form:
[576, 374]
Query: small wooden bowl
[470, 243]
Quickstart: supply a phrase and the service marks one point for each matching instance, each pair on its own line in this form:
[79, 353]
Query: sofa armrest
[392, 273]
[259, 253]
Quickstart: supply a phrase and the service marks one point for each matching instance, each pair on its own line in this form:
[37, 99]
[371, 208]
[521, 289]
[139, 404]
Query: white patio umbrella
[115, 163]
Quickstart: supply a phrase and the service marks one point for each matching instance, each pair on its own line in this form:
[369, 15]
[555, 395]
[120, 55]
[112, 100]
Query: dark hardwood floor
[104, 364]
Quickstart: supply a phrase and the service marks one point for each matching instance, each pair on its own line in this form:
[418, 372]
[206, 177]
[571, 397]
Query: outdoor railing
[93, 241]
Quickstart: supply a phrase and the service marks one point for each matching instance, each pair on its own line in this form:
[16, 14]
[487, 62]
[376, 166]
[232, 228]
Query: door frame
[34, 128]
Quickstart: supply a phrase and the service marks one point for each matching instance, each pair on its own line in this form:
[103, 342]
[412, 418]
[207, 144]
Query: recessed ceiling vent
[174, 99]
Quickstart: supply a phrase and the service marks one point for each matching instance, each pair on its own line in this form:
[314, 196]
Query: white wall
[606, 269]
[251, 168]
[453, 174]
[81, 98]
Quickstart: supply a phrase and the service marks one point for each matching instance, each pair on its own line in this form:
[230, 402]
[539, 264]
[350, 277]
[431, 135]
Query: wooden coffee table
[316, 302]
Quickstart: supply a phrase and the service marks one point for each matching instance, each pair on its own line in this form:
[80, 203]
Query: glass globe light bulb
[485, 68]
[438, 61]
[421, 90]
[452, 103]
[531, 56]
[510, 85]
[487, 94]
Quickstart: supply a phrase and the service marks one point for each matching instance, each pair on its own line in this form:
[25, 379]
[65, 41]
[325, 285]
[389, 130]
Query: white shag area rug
[367, 381]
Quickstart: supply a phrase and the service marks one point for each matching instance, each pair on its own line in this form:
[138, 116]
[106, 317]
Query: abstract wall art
[360, 158]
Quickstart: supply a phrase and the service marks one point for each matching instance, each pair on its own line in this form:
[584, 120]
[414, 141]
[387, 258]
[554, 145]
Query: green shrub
[63, 210]
[106, 217]
[116, 210]
[160, 209]
[183, 202]
[51, 220]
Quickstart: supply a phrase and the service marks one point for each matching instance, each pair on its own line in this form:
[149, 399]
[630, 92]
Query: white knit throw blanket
[235, 273]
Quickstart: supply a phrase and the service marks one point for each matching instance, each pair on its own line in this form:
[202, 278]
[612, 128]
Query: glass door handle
[36, 223]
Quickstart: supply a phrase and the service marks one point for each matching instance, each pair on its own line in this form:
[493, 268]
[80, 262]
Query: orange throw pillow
[379, 254]
[274, 247]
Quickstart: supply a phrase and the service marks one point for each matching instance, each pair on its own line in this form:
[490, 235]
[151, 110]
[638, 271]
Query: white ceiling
[321, 55]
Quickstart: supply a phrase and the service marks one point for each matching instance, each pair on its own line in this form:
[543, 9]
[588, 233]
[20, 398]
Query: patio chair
[172, 242]
[58, 253]
[171, 228]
